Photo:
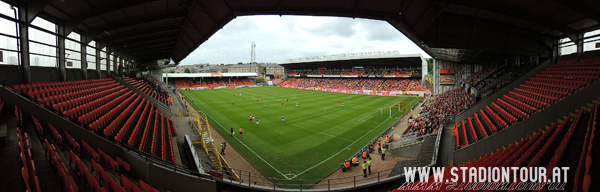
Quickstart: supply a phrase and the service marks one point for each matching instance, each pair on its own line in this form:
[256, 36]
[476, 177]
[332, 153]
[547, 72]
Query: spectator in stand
[434, 112]
[390, 84]
[483, 73]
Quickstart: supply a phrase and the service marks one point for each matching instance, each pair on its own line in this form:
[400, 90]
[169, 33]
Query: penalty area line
[339, 151]
[243, 143]
[330, 135]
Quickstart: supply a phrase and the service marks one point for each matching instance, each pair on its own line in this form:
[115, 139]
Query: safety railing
[408, 139]
[243, 177]
[282, 184]
[196, 124]
[200, 124]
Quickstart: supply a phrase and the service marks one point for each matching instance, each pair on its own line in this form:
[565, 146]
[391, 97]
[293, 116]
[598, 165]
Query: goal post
[399, 108]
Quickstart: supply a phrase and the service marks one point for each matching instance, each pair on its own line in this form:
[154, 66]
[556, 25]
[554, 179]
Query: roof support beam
[321, 12]
[142, 48]
[512, 38]
[572, 34]
[501, 9]
[32, 9]
[586, 10]
[146, 44]
[72, 22]
[141, 20]
[149, 57]
[141, 32]
[201, 5]
[474, 28]
[162, 49]
[280, 7]
[145, 39]
[153, 56]
[354, 8]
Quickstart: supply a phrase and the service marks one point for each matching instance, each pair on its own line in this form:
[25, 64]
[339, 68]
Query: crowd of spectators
[336, 83]
[364, 72]
[157, 87]
[375, 72]
[211, 82]
[487, 79]
[438, 109]
[399, 72]
[356, 84]
[155, 84]
[481, 74]
[395, 84]
[528, 64]
[414, 84]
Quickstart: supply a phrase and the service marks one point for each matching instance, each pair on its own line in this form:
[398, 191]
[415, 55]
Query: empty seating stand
[63, 173]
[107, 108]
[96, 177]
[544, 89]
[28, 170]
[146, 88]
[566, 143]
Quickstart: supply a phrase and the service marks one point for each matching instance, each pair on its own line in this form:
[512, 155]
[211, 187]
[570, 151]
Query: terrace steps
[214, 158]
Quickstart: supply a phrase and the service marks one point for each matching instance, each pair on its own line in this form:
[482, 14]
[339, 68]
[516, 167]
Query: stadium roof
[458, 30]
[195, 75]
[377, 61]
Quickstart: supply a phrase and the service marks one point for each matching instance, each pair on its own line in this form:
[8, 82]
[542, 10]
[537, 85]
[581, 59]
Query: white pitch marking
[339, 151]
[321, 132]
[243, 143]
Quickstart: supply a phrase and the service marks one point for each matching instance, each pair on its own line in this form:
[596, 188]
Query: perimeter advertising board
[446, 76]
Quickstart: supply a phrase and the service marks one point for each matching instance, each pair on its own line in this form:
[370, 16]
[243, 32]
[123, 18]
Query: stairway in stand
[213, 152]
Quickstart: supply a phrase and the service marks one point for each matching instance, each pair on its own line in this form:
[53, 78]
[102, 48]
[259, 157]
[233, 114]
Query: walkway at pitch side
[377, 164]
[235, 160]
[182, 154]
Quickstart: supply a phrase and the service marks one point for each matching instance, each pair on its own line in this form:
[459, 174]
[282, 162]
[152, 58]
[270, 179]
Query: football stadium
[94, 96]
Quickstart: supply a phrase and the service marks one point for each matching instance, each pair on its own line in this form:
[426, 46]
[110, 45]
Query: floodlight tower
[253, 53]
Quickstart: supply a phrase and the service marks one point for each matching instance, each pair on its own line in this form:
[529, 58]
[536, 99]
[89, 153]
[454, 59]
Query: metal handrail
[282, 184]
[147, 156]
[178, 168]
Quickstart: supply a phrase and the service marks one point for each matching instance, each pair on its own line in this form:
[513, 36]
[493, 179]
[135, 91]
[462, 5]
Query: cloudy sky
[280, 38]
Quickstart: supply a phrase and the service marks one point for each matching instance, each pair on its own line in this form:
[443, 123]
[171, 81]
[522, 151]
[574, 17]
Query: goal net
[397, 110]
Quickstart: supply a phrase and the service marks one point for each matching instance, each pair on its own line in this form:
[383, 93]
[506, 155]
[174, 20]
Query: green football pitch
[315, 137]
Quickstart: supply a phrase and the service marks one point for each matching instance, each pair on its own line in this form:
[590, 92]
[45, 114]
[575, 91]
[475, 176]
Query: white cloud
[280, 38]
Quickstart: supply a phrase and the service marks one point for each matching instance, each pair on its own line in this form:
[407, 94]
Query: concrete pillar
[120, 67]
[128, 67]
[24, 42]
[107, 60]
[98, 60]
[83, 47]
[555, 51]
[62, 71]
[436, 79]
[579, 44]
[115, 63]
[472, 69]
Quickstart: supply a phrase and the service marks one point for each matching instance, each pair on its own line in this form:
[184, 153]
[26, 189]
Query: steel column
[98, 60]
[115, 63]
[579, 44]
[107, 60]
[555, 51]
[83, 56]
[62, 72]
[24, 41]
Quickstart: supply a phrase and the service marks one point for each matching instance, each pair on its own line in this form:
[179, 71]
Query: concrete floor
[183, 126]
